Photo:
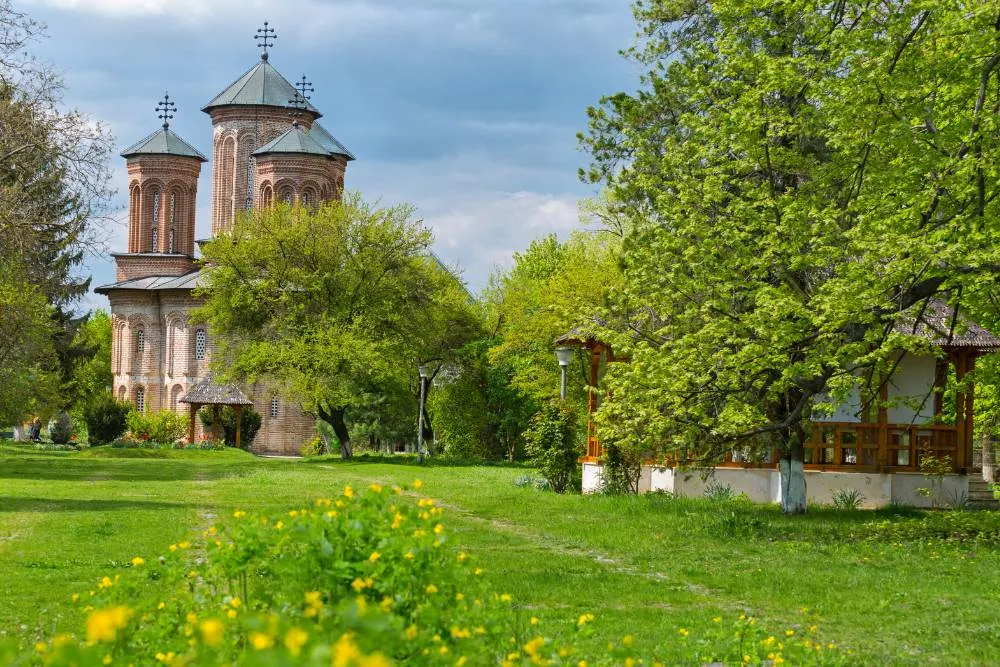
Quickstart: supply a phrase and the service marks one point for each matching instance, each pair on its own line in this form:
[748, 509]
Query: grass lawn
[644, 566]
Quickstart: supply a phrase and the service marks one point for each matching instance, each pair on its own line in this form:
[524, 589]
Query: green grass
[644, 566]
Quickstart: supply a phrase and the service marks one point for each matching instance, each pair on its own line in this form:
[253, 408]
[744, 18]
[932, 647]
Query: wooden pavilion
[888, 435]
[206, 392]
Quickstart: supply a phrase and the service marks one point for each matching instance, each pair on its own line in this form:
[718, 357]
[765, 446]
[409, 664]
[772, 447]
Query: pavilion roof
[207, 392]
[938, 323]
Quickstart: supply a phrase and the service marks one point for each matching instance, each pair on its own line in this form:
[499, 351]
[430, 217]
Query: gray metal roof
[260, 85]
[207, 392]
[327, 140]
[295, 140]
[187, 281]
[163, 142]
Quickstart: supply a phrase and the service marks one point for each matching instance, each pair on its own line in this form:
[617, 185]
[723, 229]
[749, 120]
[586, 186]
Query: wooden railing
[849, 447]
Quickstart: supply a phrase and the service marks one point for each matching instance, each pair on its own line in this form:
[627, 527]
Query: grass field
[644, 566]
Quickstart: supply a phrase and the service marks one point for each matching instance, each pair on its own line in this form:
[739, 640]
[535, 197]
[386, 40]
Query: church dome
[261, 85]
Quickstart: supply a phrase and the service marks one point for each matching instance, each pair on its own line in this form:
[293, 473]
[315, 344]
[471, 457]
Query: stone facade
[159, 350]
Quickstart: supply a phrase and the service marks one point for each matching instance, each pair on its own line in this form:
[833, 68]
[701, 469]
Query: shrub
[249, 424]
[166, 426]
[314, 447]
[60, 428]
[719, 492]
[848, 499]
[106, 419]
[552, 445]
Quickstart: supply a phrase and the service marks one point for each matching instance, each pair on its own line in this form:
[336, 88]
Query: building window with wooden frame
[140, 399]
[200, 344]
[274, 407]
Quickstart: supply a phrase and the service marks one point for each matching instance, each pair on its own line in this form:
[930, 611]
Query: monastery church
[267, 146]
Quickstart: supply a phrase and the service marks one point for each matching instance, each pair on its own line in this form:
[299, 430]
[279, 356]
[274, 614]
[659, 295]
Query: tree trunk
[335, 418]
[793, 478]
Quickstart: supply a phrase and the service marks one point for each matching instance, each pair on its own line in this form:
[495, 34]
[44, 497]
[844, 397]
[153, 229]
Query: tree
[333, 306]
[53, 189]
[90, 372]
[796, 177]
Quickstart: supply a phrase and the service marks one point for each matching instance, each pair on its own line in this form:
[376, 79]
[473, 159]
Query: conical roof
[163, 142]
[327, 140]
[261, 85]
[295, 140]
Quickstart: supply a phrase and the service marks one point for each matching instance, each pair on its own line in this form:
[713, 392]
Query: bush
[848, 499]
[166, 426]
[552, 445]
[314, 447]
[719, 492]
[106, 419]
[60, 428]
[249, 424]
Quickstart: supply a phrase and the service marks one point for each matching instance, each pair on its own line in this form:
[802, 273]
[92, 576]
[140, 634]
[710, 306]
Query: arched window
[286, 195]
[274, 406]
[200, 344]
[305, 199]
[154, 231]
[266, 195]
[140, 399]
[140, 340]
[173, 206]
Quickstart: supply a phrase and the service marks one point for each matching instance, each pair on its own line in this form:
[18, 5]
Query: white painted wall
[910, 384]
[848, 411]
[764, 485]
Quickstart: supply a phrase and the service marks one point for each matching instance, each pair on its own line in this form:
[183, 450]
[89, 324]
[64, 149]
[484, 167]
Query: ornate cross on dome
[265, 37]
[166, 110]
[298, 103]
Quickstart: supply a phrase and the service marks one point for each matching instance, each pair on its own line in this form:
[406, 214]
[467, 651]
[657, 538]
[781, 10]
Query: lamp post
[564, 355]
[422, 370]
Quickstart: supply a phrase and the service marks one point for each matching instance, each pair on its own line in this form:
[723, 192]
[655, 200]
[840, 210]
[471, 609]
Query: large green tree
[337, 306]
[797, 176]
[53, 193]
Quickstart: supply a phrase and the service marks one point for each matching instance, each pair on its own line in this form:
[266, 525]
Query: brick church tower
[159, 351]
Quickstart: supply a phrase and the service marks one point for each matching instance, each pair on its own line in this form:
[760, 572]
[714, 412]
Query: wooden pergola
[207, 392]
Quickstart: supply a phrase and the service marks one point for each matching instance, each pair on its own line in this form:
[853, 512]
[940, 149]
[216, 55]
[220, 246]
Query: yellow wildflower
[212, 631]
[411, 632]
[106, 660]
[505, 597]
[192, 617]
[789, 632]
[41, 647]
[461, 556]
[431, 588]
[332, 513]
[438, 529]
[375, 488]
[279, 525]
[717, 619]
[103, 624]
[184, 545]
[627, 640]
[295, 639]
[105, 583]
[239, 514]
[534, 646]
[348, 492]
[408, 555]
[683, 632]
[397, 521]
[235, 603]
[417, 484]
[138, 561]
[173, 547]
[459, 596]
[345, 652]
[375, 556]
[231, 613]
[261, 641]
[75, 597]
[584, 619]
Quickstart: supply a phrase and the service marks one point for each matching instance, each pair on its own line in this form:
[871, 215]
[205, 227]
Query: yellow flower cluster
[103, 625]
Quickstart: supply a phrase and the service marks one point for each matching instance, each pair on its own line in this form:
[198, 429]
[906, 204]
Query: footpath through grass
[650, 567]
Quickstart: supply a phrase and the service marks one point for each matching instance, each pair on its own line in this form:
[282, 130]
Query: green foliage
[249, 423]
[848, 499]
[314, 447]
[719, 492]
[552, 444]
[461, 419]
[28, 380]
[60, 428]
[90, 370]
[106, 418]
[622, 469]
[793, 184]
[161, 427]
[337, 306]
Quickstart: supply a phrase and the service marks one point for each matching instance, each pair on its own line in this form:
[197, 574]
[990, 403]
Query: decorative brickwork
[158, 351]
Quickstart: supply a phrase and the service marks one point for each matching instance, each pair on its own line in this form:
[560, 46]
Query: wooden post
[960, 423]
[592, 442]
[883, 425]
[239, 420]
[194, 411]
[970, 415]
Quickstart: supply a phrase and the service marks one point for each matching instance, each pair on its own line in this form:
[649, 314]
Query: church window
[305, 199]
[140, 399]
[173, 205]
[140, 341]
[274, 406]
[154, 232]
[200, 343]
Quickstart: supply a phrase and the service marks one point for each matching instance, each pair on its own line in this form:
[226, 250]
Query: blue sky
[467, 109]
